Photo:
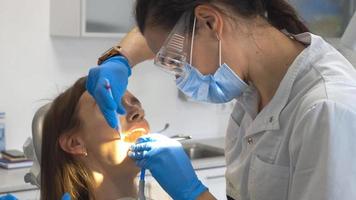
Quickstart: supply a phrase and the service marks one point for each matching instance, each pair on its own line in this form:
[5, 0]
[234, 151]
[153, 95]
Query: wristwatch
[113, 51]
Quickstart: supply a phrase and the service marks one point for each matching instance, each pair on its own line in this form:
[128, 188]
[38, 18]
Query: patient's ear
[72, 144]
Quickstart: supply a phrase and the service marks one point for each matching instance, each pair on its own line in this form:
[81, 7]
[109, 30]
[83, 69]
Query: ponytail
[166, 13]
[283, 16]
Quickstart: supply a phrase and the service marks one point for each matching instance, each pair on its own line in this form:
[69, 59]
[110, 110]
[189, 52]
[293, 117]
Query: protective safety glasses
[178, 48]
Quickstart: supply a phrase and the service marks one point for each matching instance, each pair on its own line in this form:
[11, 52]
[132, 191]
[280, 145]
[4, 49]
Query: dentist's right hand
[169, 165]
[107, 83]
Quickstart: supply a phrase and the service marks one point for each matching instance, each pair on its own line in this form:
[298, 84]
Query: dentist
[292, 132]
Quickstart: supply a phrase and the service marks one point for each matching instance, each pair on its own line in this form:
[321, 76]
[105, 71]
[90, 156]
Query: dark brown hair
[166, 13]
[60, 171]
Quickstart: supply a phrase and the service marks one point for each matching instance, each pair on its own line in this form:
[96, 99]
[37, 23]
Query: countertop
[218, 143]
[206, 163]
[13, 180]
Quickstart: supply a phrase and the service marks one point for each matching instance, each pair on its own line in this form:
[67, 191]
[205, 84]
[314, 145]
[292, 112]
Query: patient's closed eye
[134, 101]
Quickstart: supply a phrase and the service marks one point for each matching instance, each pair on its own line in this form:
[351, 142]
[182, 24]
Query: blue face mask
[221, 87]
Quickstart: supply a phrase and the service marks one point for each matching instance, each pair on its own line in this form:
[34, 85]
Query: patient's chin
[127, 166]
[115, 152]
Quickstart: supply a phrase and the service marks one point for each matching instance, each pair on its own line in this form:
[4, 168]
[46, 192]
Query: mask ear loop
[192, 43]
[217, 36]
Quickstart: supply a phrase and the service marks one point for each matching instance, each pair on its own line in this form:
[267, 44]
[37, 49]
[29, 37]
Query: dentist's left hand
[8, 197]
[169, 165]
[107, 83]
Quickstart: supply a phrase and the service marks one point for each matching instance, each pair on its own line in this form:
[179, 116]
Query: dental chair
[32, 146]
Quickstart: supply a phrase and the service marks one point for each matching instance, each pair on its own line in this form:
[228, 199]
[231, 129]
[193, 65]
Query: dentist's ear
[72, 144]
[209, 19]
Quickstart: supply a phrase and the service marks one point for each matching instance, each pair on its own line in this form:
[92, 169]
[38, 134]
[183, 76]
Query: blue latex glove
[107, 83]
[169, 165]
[8, 197]
[66, 196]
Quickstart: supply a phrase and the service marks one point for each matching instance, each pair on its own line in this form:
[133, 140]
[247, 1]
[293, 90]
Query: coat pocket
[267, 181]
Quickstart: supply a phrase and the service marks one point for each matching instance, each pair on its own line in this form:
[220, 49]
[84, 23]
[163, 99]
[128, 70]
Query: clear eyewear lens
[170, 62]
[172, 57]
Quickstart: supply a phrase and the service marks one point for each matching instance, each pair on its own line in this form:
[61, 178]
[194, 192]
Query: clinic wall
[35, 67]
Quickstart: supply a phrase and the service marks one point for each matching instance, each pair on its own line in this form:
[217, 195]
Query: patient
[82, 155]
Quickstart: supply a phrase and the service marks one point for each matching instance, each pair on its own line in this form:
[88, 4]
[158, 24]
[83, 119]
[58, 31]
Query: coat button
[249, 140]
[271, 119]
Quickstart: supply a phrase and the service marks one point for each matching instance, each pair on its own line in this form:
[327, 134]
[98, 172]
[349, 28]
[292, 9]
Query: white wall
[35, 67]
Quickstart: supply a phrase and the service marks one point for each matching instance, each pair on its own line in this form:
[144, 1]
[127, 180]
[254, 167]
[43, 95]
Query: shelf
[91, 18]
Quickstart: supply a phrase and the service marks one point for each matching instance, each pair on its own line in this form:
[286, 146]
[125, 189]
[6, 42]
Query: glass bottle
[2, 131]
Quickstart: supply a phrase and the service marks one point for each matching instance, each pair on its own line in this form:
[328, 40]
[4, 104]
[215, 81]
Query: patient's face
[104, 144]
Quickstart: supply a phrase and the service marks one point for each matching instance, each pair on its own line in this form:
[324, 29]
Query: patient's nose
[135, 114]
[134, 110]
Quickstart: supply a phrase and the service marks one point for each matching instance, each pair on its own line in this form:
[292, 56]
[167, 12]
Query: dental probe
[108, 88]
[166, 126]
[181, 138]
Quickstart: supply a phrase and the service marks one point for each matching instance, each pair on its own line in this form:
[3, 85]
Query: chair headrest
[32, 147]
[37, 124]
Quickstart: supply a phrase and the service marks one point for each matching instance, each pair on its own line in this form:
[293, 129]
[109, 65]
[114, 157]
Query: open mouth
[132, 135]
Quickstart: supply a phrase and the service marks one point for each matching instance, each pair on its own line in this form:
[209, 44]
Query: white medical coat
[302, 145]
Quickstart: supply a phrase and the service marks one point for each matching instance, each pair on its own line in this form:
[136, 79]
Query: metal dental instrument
[141, 186]
[166, 126]
[178, 137]
[108, 87]
[181, 138]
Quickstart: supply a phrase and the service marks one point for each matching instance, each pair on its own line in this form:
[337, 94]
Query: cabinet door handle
[215, 177]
